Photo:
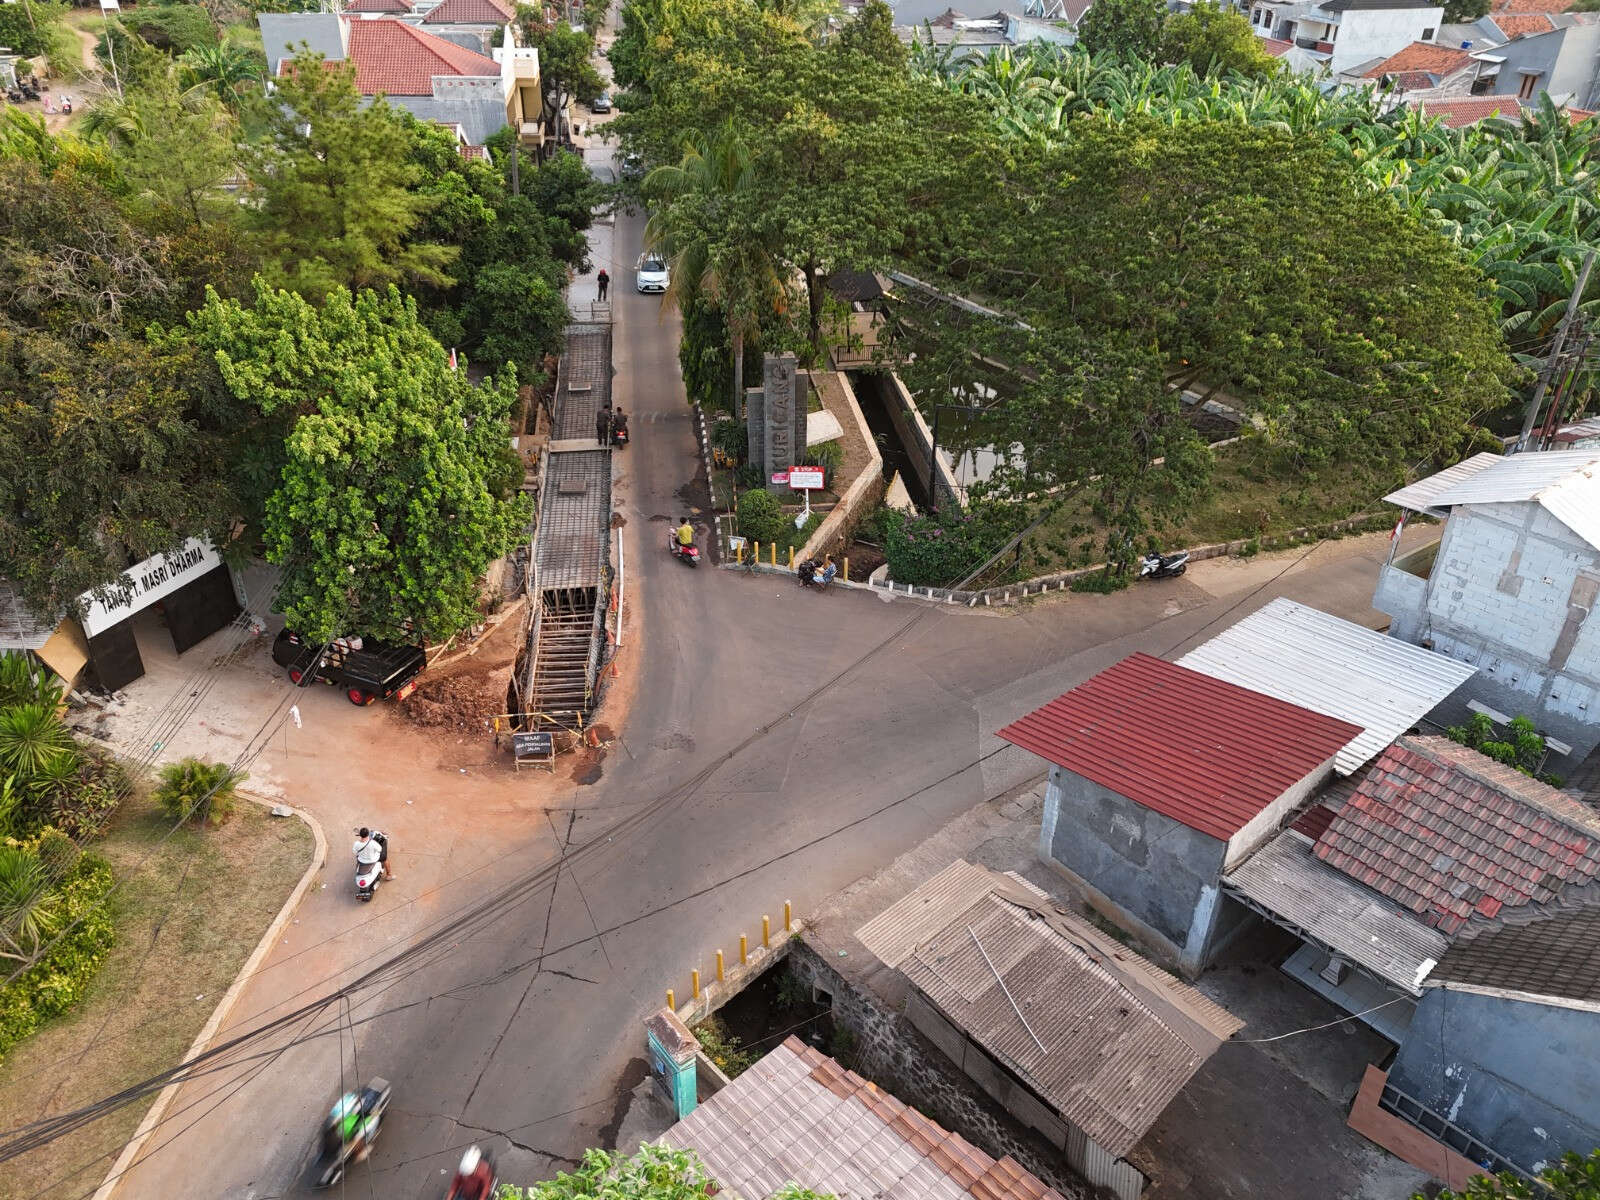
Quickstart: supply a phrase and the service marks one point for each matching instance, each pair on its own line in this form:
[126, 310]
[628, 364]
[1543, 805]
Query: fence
[728, 980]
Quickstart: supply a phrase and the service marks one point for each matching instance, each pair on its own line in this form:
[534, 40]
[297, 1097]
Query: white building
[1345, 33]
[1510, 586]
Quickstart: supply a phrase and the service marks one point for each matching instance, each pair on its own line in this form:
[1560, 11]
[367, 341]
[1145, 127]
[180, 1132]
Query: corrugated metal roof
[1565, 482]
[1204, 752]
[19, 628]
[1105, 1037]
[1284, 877]
[1334, 667]
[798, 1116]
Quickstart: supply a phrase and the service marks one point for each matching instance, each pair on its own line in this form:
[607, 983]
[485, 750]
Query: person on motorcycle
[474, 1177]
[372, 847]
[685, 534]
[351, 1129]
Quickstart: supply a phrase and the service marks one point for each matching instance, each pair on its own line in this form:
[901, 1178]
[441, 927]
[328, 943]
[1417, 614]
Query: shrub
[22, 683]
[827, 455]
[1102, 582]
[761, 517]
[58, 980]
[732, 437]
[192, 789]
[942, 550]
[1522, 747]
[32, 738]
[29, 34]
[722, 1048]
[175, 28]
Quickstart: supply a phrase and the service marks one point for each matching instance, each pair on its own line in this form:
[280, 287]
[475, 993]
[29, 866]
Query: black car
[368, 670]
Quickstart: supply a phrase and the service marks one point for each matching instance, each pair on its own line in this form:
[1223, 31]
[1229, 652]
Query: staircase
[564, 645]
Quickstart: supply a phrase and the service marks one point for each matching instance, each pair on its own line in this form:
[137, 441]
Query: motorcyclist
[351, 1129]
[474, 1177]
[372, 847]
[685, 534]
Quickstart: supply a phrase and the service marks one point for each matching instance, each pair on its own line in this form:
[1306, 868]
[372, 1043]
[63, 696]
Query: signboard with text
[780, 477]
[144, 583]
[805, 478]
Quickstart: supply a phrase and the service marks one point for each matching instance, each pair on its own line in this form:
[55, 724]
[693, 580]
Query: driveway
[803, 739]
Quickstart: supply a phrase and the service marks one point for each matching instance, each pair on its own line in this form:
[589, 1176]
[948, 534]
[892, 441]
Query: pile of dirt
[466, 693]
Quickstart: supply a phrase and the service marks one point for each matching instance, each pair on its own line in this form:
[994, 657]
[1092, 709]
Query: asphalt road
[823, 734]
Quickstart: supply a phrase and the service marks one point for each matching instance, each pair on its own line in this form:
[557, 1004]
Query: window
[1530, 80]
[1427, 34]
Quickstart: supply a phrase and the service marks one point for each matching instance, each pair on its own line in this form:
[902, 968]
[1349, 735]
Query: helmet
[469, 1160]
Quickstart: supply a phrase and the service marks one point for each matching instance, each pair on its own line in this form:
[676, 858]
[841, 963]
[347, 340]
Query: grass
[1253, 495]
[180, 941]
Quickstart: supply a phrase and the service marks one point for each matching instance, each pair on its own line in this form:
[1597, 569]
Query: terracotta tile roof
[379, 6]
[1469, 110]
[1276, 47]
[1532, 6]
[1314, 821]
[1208, 754]
[1422, 57]
[1558, 955]
[1515, 25]
[798, 1116]
[469, 12]
[1455, 837]
[401, 60]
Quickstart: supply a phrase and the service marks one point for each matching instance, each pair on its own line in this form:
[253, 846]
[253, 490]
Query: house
[1421, 67]
[797, 1116]
[434, 77]
[1071, 1032]
[477, 24]
[1563, 62]
[1450, 903]
[1510, 586]
[1341, 34]
[1579, 435]
[1163, 778]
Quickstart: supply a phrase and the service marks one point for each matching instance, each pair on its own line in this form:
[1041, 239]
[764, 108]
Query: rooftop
[1359, 5]
[1276, 47]
[1460, 111]
[1566, 483]
[1104, 1037]
[1208, 754]
[19, 628]
[470, 12]
[1424, 57]
[379, 6]
[798, 1116]
[397, 59]
[1454, 837]
[1334, 667]
[1544, 6]
[1556, 955]
[1515, 25]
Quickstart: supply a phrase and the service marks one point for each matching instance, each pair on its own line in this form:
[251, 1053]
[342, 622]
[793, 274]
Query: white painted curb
[130, 1152]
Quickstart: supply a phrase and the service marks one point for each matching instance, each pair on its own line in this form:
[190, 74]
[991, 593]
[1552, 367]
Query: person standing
[602, 426]
[604, 281]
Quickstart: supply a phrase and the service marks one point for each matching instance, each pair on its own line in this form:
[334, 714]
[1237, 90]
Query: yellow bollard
[719, 966]
[788, 917]
[847, 570]
[766, 930]
[744, 949]
[740, 553]
[791, 558]
[773, 557]
[694, 983]
[672, 1002]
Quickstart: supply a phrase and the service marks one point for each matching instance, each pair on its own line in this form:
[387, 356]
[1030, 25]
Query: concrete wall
[889, 1051]
[917, 438]
[1513, 592]
[1404, 597]
[1152, 868]
[861, 494]
[1517, 1075]
[1369, 33]
[1566, 60]
[1267, 822]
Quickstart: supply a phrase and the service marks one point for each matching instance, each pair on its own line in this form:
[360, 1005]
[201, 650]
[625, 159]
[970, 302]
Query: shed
[797, 1116]
[1165, 777]
[1335, 667]
[1071, 1031]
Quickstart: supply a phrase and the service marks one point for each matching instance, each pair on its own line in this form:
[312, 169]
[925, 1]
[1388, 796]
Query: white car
[652, 273]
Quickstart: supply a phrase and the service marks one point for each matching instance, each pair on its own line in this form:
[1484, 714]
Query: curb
[152, 1118]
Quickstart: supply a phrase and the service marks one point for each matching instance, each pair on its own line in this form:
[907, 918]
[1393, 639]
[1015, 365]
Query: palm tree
[699, 224]
[192, 789]
[223, 69]
[28, 905]
[32, 738]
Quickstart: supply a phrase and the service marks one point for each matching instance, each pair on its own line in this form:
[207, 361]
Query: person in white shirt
[371, 847]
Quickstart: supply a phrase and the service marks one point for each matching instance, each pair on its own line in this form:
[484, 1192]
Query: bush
[195, 790]
[722, 1048]
[1102, 582]
[58, 980]
[1522, 747]
[175, 28]
[943, 550]
[761, 517]
[29, 37]
[732, 437]
[827, 455]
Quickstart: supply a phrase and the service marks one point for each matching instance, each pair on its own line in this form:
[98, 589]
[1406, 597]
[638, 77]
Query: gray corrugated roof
[1105, 1037]
[1284, 877]
[797, 1116]
[1332, 666]
[19, 628]
[1565, 482]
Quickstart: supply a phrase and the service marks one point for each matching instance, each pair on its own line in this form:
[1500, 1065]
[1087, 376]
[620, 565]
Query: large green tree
[337, 193]
[383, 513]
[1215, 40]
[1126, 29]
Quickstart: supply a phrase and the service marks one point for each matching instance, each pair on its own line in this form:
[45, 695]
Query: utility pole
[1532, 415]
[1575, 359]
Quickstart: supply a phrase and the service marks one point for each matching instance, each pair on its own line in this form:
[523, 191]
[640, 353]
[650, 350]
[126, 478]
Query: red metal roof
[1208, 754]
[401, 60]
[1454, 836]
[1277, 47]
[469, 12]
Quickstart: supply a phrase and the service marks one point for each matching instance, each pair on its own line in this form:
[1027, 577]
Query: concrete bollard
[773, 558]
[694, 983]
[672, 1001]
[744, 949]
[847, 570]
[788, 918]
[791, 558]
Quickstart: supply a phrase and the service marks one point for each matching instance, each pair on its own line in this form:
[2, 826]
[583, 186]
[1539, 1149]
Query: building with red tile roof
[1532, 6]
[1424, 64]
[1460, 111]
[373, 7]
[470, 12]
[1515, 25]
[393, 58]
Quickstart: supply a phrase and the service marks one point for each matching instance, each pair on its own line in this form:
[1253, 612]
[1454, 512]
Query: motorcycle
[350, 1129]
[689, 554]
[475, 1178]
[1163, 566]
[619, 436]
[369, 875]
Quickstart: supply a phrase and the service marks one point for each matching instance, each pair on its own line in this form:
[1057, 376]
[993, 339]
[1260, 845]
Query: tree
[870, 34]
[175, 151]
[1458, 12]
[382, 515]
[1215, 40]
[654, 1173]
[1125, 29]
[338, 200]
[1573, 1178]
[30, 29]
[225, 69]
[566, 68]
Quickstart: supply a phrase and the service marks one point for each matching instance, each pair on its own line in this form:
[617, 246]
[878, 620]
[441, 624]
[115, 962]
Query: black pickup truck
[377, 671]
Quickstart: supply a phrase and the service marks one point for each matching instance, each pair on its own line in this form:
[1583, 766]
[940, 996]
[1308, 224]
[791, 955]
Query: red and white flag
[452, 358]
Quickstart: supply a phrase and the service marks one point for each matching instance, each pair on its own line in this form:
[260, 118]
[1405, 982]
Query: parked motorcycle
[350, 1129]
[1163, 566]
[809, 572]
[689, 554]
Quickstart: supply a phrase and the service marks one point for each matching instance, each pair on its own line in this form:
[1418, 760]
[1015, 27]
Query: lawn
[181, 940]
[1252, 495]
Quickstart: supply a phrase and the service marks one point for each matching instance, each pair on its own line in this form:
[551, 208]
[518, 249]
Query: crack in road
[499, 1133]
[570, 975]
